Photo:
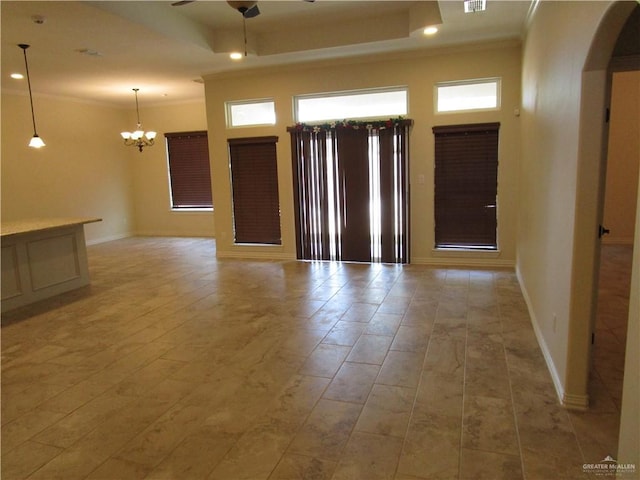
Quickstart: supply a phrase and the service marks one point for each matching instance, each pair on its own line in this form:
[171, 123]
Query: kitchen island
[42, 258]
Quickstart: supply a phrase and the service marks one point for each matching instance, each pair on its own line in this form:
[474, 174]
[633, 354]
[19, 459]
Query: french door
[352, 192]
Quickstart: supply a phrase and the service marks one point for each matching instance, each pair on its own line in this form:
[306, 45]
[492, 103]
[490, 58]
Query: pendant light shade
[36, 141]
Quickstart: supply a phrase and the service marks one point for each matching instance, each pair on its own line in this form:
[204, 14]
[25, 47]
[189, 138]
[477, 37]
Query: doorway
[351, 190]
[619, 26]
[616, 251]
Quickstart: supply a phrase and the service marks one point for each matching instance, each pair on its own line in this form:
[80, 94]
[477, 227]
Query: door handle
[602, 231]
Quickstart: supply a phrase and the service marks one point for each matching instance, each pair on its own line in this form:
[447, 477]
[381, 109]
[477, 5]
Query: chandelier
[139, 138]
[36, 141]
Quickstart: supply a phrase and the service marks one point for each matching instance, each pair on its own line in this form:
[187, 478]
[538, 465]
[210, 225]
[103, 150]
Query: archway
[590, 196]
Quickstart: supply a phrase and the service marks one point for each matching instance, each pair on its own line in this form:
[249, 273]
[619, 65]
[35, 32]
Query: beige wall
[151, 193]
[564, 83]
[624, 158]
[85, 170]
[419, 72]
[82, 171]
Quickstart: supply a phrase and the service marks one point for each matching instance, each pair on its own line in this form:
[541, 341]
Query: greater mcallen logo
[609, 466]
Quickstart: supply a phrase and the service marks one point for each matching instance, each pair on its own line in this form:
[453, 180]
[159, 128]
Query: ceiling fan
[247, 9]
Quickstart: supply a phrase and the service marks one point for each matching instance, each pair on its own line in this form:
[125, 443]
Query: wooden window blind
[254, 179]
[189, 173]
[466, 182]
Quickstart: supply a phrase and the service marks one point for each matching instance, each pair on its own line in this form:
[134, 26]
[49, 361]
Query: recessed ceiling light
[17, 76]
[431, 30]
[235, 55]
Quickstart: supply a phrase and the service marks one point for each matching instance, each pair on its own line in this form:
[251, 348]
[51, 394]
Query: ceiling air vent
[472, 6]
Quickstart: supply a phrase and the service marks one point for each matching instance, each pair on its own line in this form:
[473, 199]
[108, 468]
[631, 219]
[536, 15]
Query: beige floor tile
[26, 426]
[432, 448]
[383, 324]
[296, 400]
[152, 445]
[254, 456]
[597, 434]
[488, 424]
[410, 338]
[394, 305]
[421, 313]
[26, 459]
[77, 424]
[370, 349]
[440, 394]
[175, 364]
[445, 354]
[296, 467]
[344, 333]
[116, 468]
[539, 465]
[369, 456]
[481, 465]
[325, 360]
[23, 400]
[401, 369]
[327, 430]
[486, 372]
[352, 383]
[360, 312]
[387, 411]
[196, 456]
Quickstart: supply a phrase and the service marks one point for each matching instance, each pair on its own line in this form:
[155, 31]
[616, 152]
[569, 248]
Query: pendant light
[36, 141]
[138, 138]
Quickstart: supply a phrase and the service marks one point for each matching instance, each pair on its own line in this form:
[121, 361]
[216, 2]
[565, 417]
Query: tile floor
[175, 365]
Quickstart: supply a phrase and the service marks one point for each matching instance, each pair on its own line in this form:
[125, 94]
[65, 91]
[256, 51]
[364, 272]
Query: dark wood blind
[466, 182]
[254, 178]
[189, 171]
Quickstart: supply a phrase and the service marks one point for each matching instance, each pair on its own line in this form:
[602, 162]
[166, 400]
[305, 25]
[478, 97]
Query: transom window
[370, 103]
[247, 113]
[482, 94]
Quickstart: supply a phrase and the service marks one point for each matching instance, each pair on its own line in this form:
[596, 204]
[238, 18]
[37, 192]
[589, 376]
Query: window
[250, 113]
[460, 96]
[254, 181]
[372, 103]
[189, 174]
[466, 185]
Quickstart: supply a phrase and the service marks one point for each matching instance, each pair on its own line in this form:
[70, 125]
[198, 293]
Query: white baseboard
[110, 238]
[248, 255]
[172, 233]
[462, 262]
[574, 402]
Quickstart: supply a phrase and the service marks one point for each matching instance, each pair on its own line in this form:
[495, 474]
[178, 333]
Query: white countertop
[36, 225]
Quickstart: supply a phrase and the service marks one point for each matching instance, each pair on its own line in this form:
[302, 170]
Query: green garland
[351, 124]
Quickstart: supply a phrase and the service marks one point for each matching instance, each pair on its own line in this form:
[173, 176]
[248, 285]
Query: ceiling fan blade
[182, 2]
[251, 12]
